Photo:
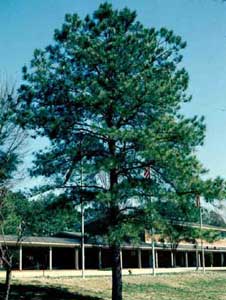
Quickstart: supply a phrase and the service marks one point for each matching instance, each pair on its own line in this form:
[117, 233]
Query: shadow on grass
[31, 292]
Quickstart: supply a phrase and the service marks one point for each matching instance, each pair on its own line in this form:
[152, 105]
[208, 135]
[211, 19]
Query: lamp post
[147, 175]
[83, 240]
[153, 251]
[202, 247]
[82, 216]
[198, 205]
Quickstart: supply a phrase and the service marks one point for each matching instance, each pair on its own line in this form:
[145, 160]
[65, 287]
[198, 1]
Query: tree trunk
[116, 274]
[7, 283]
[174, 251]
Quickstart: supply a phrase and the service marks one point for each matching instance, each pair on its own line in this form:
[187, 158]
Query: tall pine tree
[107, 93]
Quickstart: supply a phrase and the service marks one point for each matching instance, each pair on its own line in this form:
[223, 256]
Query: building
[64, 252]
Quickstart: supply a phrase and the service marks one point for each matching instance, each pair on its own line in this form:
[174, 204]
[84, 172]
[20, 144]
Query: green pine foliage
[108, 94]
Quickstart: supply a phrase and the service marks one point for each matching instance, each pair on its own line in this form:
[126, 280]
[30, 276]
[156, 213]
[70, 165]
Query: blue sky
[29, 24]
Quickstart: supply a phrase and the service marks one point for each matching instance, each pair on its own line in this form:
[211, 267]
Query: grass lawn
[192, 286]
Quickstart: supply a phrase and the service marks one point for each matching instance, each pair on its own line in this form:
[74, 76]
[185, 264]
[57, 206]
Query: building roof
[73, 239]
[204, 226]
[40, 241]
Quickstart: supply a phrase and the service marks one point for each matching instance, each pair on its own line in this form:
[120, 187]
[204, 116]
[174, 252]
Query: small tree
[108, 94]
[12, 138]
[10, 222]
[175, 217]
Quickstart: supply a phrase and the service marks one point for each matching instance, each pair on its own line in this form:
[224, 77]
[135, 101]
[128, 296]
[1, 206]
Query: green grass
[177, 287]
[192, 286]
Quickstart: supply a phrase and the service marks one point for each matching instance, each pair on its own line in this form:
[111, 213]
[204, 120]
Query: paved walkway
[78, 273]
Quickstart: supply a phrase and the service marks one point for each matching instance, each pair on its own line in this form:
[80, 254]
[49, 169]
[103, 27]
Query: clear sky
[29, 24]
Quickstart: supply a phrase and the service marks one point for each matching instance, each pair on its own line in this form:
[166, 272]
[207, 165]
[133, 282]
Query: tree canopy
[49, 215]
[11, 135]
[44, 216]
[108, 94]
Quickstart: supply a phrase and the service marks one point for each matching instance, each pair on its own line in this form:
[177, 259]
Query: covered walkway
[64, 253]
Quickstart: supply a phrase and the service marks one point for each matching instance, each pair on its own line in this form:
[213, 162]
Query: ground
[195, 286]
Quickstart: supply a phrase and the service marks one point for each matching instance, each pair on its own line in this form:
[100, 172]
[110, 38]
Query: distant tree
[211, 217]
[175, 218]
[180, 222]
[50, 215]
[108, 94]
[14, 207]
[45, 216]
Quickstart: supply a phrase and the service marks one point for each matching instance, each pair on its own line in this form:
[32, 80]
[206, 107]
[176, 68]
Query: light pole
[147, 175]
[83, 240]
[82, 216]
[198, 205]
[202, 248]
[153, 251]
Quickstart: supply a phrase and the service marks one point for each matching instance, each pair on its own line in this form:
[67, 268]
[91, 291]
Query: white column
[76, 258]
[203, 260]
[20, 258]
[139, 259]
[121, 262]
[222, 259]
[186, 259]
[156, 259]
[100, 259]
[172, 259]
[50, 258]
[199, 259]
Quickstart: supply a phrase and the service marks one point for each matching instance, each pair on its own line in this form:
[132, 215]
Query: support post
[186, 259]
[222, 259]
[199, 260]
[21, 258]
[156, 259]
[100, 259]
[203, 261]
[50, 258]
[139, 259]
[121, 261]
[172, 259]
[76, 258]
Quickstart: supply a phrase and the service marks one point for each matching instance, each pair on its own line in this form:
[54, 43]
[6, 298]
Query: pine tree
[107, 93]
